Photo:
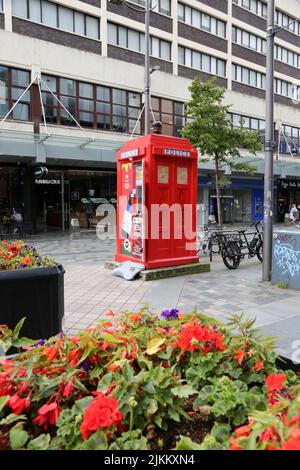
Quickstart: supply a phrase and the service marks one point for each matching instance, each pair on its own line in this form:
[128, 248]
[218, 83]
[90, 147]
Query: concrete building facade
[89, 55]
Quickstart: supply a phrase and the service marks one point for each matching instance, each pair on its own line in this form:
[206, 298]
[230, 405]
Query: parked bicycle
[234, 246]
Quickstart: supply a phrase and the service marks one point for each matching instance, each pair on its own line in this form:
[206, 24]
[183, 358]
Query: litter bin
[286, 258]
[38, 295]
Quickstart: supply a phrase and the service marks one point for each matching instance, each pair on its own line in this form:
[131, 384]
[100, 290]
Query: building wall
[28, 45]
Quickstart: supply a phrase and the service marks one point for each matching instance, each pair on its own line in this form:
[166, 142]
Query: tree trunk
[218, 194]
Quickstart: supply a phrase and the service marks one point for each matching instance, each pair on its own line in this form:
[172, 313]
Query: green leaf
[96, 441]
[3, 401]
[186, 443]
[152, 408]
[18, 328]
[39, 443]
[174, 415]
[109, 338]
[183, 391]
[80, 405]
[221, 432]
[18, 438]
[12, 418]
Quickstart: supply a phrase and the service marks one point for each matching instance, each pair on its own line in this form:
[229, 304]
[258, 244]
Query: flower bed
[19, 255]
[122, 384]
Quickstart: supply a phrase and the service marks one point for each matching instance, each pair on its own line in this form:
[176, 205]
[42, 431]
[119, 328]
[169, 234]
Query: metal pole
[147, 67]
[268, 183]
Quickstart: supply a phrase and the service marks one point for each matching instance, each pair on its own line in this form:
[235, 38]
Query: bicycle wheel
[259, 251]
[231, 255]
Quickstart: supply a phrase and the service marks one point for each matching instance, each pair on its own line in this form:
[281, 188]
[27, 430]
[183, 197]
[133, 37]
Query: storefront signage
[289, 184]
[130, 153]
[177, 153]
[47, 182]
[41, 172]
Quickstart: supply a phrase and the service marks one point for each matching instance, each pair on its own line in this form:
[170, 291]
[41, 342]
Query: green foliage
[283, 285]
[153, 371]
[230, 399]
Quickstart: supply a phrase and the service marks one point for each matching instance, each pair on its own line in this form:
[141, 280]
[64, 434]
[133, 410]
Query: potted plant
[31, 286]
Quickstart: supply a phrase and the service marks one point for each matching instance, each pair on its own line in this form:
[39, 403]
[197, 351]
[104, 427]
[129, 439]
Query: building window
[13, 82]
[92, 105]
[246, 39]
[255, 6]
[200, 20]
[170, 113]
[281, 87]
[199, 61]
[134, 40]
[248, 76]
[288, 57]
[159, 6]
[1, 5]
[286, 21]
[247, 122]
[57, 16]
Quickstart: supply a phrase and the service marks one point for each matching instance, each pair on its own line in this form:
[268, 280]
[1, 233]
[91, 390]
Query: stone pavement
[90, 290]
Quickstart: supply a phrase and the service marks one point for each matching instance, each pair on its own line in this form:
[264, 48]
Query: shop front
[49, 202]
[288, 194]
[241, 201]
[73, 194]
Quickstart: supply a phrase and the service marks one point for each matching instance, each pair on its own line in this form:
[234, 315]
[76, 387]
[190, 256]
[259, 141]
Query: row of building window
[199, 61]
[93, 106]
[106, 108]
[131, 39]
[258, 80]
[57, 16]
[244, 38]
[201, 20]
[281, 19]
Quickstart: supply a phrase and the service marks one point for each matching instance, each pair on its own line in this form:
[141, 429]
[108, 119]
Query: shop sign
[177, 153]
[130, 153]
[47, 181]
[41, 172]
[289, 184]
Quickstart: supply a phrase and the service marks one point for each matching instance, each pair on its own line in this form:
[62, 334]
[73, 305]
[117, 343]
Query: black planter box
[38, 295]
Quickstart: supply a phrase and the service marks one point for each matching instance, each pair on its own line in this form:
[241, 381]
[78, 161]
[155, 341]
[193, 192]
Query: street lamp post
[269, 142]
[147, 72]
[272, 30]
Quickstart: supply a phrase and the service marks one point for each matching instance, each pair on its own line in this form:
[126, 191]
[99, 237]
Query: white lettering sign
[47, 181]
[177, 153]
[130, 153]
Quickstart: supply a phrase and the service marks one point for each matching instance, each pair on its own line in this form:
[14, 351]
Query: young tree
[210, 130]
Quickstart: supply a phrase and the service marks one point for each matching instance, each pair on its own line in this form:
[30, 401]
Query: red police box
[157, 200]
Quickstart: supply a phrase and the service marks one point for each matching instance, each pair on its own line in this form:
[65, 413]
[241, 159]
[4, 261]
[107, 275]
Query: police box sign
[177, 153]
[130, 153]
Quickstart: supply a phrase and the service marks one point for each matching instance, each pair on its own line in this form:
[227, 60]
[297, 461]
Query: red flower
[102, 413]
[239, 356]
[13, 249]
[50, 353]
[294, 420]
[135, 318]
[18, 404]
[190, 338]
[243, 431]
[69, 388]
[234, 444]
[275, 382]
[258, 366]
[48, 414]
[74, 356]
[26, 260]
[268, 435]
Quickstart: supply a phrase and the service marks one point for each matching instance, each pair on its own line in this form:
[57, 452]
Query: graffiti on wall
[287, 257]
